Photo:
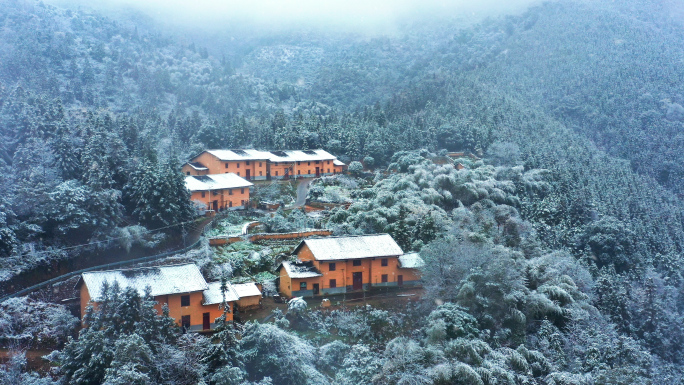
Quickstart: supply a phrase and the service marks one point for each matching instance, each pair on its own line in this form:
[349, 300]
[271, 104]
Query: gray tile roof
[197, 166]
[248, 289]
[273, 156]
[233, 292]
[244, 154]
[215, 182]
[411, 261]
[163, 280]
[213, 294]
[352, 247]
[298, 270]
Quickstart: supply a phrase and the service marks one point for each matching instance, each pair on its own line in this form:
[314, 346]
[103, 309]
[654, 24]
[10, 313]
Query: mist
[374, 16]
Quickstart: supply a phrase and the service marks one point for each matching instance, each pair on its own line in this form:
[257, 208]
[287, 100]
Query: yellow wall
[257, 168]
[278, 169]
[249, 302]
[285, 283]
[239, 197]
[196, 310]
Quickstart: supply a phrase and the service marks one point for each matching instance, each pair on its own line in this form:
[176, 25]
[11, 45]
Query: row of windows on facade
[216, 192]
[275, 163]
[356, 262]
[384, 278]
[261, 173]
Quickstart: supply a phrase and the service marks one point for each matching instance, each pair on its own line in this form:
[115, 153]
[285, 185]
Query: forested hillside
[554, 259]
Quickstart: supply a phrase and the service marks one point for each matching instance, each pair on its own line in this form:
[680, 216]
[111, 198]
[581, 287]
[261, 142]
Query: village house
[337, 265]
[260, 165]
[192, 302]
[249, 164]
[219, 191]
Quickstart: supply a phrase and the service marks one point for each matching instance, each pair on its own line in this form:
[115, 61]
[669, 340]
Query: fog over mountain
[375, 16]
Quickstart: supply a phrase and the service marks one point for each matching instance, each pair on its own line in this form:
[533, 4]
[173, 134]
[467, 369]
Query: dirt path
[34, 358]
[302, 191]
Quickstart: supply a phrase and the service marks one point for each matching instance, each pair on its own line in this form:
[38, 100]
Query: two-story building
[192, 302]
[219, 191]
[259, 165]
[249, 164]
[336, 265]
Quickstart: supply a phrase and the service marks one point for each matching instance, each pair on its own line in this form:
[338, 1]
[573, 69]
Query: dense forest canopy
[553, 257]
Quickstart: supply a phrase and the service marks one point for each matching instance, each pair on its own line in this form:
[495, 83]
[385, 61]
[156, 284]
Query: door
[315, 289]
[357, 280]
[185, 323]
[206, 323]
[247, 174]
[214, 205]
[400, 280]
[318, 171]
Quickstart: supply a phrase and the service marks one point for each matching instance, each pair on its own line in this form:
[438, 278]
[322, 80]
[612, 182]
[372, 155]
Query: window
[299, 163]
[187, 173]
[185, 300]
[242, 190]
[333, 283]
[328, 162]
[318, 162]
[203, 194]
[238, 165]
[302, 286]
[331, 266]
[383, 262]
[383, 278]
[308, 163]
[259, 166]
[247, 163]
[230, 191]
[226, 164]
[215, 192]
[356, 262]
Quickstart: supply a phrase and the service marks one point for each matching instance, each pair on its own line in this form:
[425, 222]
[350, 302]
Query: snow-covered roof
[215, 182]
[300, 156]
[248, 289]
[163, 280]
[213, 294]
[352, 247]
[273, 156]
[243, 154]
[411, 261]
[197, 166]
[300, 270]
[337, 162]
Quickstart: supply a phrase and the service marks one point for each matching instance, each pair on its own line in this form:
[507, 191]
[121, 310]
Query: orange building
[192, 302]
[337, 265]
[249, 164]
[261, 165]
[219, 192]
